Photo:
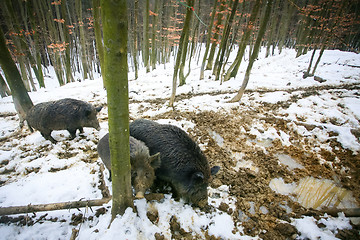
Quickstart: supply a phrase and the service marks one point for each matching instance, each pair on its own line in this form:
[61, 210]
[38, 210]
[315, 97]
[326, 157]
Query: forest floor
[259, 209]
[287, 151]
[252, 183]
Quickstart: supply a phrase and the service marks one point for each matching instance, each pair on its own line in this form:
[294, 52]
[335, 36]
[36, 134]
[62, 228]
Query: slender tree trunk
[306, 74]
[146, 43]
[54, 54]
[181, 51]
[98, 37]
[19, 94]
[232, 71]
[135, 38]
[255, 52]
[331, 26]
[288, 13]
[224, 40]
[4, 90]
[208, 41]
[318, 60]
[272, 30]
[216, 36]
[34, 55]
[153, 38]
[114, 16]
[84, 62]
[184, 44]
[66, 39]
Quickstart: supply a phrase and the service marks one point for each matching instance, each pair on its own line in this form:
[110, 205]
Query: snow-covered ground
[34, 171]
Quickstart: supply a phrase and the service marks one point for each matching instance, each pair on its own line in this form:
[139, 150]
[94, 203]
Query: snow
[281, 75]
[310, 230]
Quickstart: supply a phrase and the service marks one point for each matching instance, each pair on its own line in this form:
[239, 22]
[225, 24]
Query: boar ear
[214, 170]
[98, 109]
[155, 160]
[198, 176]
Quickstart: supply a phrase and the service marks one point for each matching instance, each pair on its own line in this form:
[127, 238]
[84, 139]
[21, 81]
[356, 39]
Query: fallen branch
[52, 206]
[349, 65]
[349, 212]
[67, 205]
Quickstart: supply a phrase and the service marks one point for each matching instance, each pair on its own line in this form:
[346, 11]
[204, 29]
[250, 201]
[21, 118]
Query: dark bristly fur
[142, 164]
[183, 164]
[65, 114]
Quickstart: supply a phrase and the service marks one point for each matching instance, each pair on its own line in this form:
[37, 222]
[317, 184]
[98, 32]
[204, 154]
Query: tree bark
[4, 90]
[98, 37]
[208, 41]
[114, 16]
[216, 36]
[181, 52]
[255, 52]
[52, 206]
[85, 67]
[232, 71]
[135, 38]
[146, 43]
[19, 94]
[224, 40]
[153, 38]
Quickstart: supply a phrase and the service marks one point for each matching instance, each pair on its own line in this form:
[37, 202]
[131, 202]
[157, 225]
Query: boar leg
[72, 133]
[47, 136]
[81, 130]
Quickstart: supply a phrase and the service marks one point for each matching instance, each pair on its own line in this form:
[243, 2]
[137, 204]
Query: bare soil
[249, 186]
[245, 184]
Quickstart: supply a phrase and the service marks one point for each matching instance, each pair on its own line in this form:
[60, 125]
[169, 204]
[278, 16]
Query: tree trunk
[135, 38]
[185, 42]
[85, 68]
[153, 38]
[255, 52]
[4, 90]
[208, 40]
[54, 54]
[52, 206]
[20, 96]
[146, 43]
[33, 55]
[287, 14]
[232, 71]
[66, 40]
[216, 36]
[98, 37]
[224, 40]
[181, 51]
[114, 16]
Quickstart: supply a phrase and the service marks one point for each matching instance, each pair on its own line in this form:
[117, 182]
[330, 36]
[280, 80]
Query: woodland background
[62, 34]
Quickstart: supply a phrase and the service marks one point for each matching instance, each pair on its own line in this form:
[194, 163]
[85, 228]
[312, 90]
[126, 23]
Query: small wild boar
[65, 114]
[142, 164]
[183, 164]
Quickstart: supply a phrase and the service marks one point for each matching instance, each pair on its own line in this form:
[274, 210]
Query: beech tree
[232, 71]
[224, 40]
[255, 52]
[182, 51]
[208, 41]
[19, 93]
[115, 25]
[61, 34]
[4, 90]
[98, 34]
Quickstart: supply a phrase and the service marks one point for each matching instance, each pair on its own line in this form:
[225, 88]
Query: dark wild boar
[65, 114]
[142, 164]
[183, 164]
